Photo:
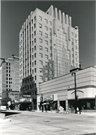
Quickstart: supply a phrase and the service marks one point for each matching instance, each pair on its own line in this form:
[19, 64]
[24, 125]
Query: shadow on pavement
[7, 113]
[89, 134]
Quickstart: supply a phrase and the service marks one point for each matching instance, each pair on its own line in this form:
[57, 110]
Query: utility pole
[73, 72]
[75, 92]
[32, 104]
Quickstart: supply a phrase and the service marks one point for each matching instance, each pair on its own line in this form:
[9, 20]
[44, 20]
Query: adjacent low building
[62, 89]
[9, 79]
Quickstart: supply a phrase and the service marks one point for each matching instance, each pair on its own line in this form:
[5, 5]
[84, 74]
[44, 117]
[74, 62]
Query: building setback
[48, 45]
[9, 74]
[63, 91]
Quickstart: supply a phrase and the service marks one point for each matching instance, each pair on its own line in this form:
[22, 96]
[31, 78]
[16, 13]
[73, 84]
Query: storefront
[62, 89]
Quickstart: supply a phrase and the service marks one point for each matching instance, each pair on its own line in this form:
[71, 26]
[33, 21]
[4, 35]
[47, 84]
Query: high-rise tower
[47, 39]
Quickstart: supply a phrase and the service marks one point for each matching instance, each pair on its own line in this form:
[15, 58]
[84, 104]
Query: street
[41, 123]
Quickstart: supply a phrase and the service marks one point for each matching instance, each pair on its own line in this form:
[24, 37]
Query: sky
[14, 14]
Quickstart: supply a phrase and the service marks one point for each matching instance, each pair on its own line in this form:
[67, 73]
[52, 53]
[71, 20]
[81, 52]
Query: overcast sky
[13, 15]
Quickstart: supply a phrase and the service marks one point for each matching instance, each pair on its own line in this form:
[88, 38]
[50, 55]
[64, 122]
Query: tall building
[47, 39]
[9, 78]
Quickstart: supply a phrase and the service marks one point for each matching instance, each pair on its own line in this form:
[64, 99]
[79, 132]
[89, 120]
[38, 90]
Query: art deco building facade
[48, 45]
[9, 78]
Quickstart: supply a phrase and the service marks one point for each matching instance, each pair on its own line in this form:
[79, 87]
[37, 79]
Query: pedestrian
[80, 107]
[42, 107]
[46, 107]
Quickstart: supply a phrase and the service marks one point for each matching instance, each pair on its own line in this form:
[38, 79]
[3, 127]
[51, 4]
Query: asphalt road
[42, 123]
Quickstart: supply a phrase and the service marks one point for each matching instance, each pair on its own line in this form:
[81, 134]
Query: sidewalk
[89, 113]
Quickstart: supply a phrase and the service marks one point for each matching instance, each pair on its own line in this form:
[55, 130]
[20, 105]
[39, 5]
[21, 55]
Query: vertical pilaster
[63, 19]
[66, 19]
[70, 21]
[51, 10]
[60, 15]
[56, 13]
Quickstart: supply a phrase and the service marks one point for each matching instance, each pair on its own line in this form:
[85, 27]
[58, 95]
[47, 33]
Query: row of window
[9, 82]
[74, 34]
[7, 74]
[46, 20]
[9, 78]
[46, 34]
[7, 85]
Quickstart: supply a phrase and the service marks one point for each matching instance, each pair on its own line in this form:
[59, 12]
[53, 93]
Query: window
[35, 62]
[76, 41]
[35, 40]
[40, 40]
[35, 55]
[32, 71]
[46, 42]
[32, 35]
[40, 25]
[35, 18]
[40, 47]
[46, 56]
[41, 62]
[50, 72]
[50, 65]
[46, 28]
[40, 33]
[46, 63]
[72, 34]
[32, 64]
[41, 77]
[75, 35]
[35, 25]
[40, 70]
[46, 79]
[40, 17]
[41, 55]
[32, 21]
[34, 32]
[35, 70]
[72, 49]
[50, 54]
[46, 20]
[32, 42]
[50, 23]
[34, 47]
[35, 77]
[50, 31]
[72, 55]
[46, 71]
[46, 49]
[72, 41]
[46, 35]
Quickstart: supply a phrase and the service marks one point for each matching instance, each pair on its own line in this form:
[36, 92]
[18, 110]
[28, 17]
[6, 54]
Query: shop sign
[50, 97]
